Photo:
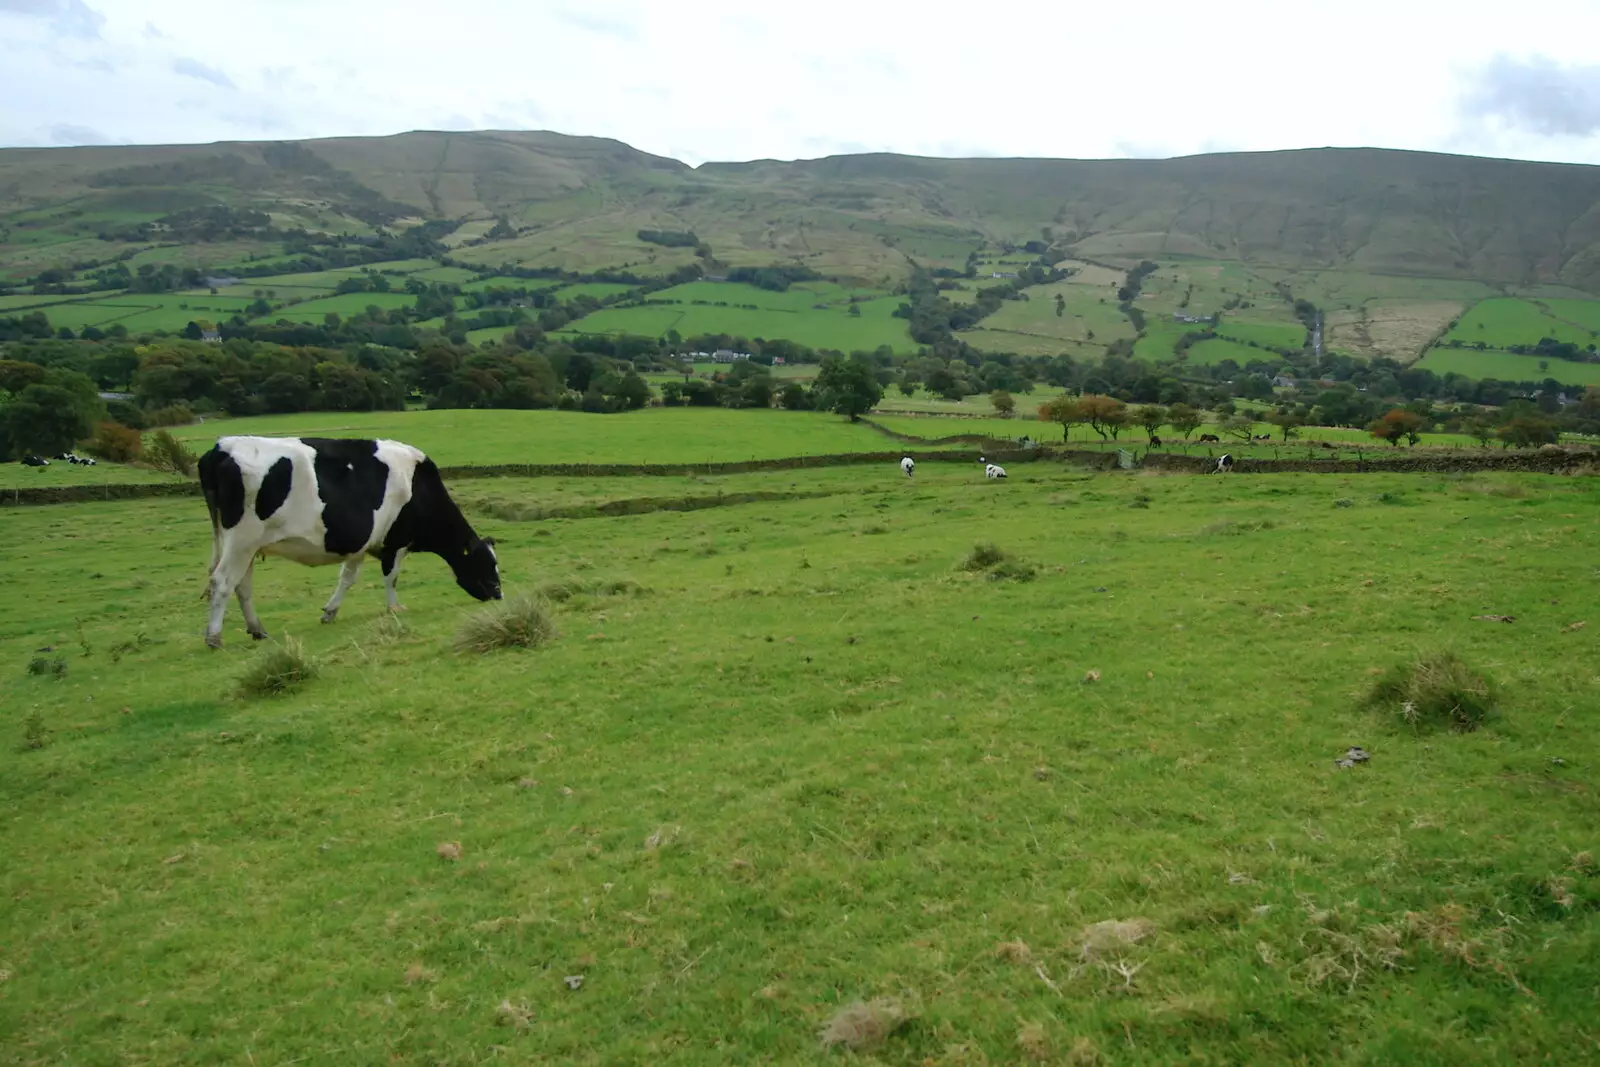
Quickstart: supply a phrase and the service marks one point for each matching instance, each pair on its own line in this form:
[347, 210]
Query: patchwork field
[140, 311]
[1083, 320]
[787, 754]
[344, 304]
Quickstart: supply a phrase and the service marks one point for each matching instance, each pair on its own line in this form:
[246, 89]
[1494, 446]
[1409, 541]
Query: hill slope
[579, 202]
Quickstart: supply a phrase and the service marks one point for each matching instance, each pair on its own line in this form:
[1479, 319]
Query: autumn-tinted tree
[1526, 431]
[1398, 423]
[1064, 410]
[1185, 419]
[1106, 415]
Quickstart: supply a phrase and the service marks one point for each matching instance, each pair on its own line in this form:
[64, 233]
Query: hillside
[578, 202]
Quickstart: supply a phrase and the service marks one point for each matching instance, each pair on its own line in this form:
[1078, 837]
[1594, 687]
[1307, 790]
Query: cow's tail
[207, 469]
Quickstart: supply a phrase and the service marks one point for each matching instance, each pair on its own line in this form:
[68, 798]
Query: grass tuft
[861, 1026]
[984, 554]
[54, 667]
[1014, 570]
[1432, 691]
[278, 669]
[522, 621]
[559, 592]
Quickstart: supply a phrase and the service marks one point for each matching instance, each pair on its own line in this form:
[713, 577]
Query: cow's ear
[488, 540]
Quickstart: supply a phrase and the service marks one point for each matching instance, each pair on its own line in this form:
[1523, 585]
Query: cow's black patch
[222, 482]
[274, 488]
[351, 480]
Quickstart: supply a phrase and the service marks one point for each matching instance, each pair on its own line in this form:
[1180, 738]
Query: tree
[1396, 424]
[1106, 415]
[1481, 428]
[1152, 417]
[634, 392]
[846, 387]
[1061, 305]
[1185, 419]
[907, 387]
[1004, 403]
[1063, 409]
[1287, 422]
[1525, 431]
[794, 397]
[53, 415]
[1241, 426]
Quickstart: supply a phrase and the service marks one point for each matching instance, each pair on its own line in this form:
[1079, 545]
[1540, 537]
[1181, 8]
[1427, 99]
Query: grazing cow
[1210, 437]
[320, 501]
[35, 461]
[1155, 442]
[908, 465]
[1225, 463]
[1262, 437]
[992, 470]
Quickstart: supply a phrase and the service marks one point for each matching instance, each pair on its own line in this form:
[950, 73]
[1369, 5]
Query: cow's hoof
[329, 616]
[213, 642]
[397, 609]
[259, 635]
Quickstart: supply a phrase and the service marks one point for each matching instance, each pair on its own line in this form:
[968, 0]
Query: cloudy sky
[726, 80]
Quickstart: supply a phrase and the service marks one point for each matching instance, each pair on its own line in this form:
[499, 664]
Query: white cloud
[726, 80]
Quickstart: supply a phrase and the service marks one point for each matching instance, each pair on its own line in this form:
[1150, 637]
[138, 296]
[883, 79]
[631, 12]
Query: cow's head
[479, 571]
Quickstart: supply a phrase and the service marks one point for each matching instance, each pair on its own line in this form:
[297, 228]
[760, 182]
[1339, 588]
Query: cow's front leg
[347, 578]
[391, 578]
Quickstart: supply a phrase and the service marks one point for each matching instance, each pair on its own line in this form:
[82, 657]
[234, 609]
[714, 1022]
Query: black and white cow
[319, 501]
[992, 470]
[1224, 464]
[35, 461]
[908, 465]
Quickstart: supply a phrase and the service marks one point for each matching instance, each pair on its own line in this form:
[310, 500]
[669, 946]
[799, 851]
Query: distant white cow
[992, 470]
[908, 465]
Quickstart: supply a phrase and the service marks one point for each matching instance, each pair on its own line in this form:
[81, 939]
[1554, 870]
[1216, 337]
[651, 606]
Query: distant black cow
[319, 501]
[1262, 437]
[1155, 442]
[1210, 437]
[35, 461]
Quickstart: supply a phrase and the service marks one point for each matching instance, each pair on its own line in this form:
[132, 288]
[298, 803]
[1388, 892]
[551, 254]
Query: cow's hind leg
[347, 578]
[233, 568]
[244, 591]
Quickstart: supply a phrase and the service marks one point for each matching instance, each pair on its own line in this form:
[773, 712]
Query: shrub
[34, 732]
[279, 669]
[523, 621]
[1436, 690]
[172, 415]
[984, 555]
[117, 443]
[165, 452]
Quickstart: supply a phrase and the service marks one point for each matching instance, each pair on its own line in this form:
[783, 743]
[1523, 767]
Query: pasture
[1214, 350]
[788, 754]
[461, 437]
[344, 304]
[1508, 366]
[830, 327]
[1505, 321]
[138, 312]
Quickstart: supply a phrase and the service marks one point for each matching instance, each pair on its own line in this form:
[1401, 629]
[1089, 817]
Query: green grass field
[1082, 315]
[831, 327]
[1508, 366]
[1582, 313]
[138, 312]
[1503, 321]
[1266, 334]
[1214, 350]
[598, 290]
[284, 285]
[345, 304]
[655, 435]
[502, 282]
[23, 303]
[812, 760]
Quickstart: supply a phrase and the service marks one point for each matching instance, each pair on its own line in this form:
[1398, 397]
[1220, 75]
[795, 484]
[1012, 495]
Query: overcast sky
[729, 80]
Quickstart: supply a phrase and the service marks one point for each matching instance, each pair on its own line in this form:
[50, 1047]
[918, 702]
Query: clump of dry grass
[1033, 1042]
[564, 590]
[1113, 936]
[1435, 690]
[1013, 951]
[860, 1026]
[523, 621]
[278, 669]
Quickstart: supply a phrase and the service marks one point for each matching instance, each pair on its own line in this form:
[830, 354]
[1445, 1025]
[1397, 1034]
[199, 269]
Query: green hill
[579, 202]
